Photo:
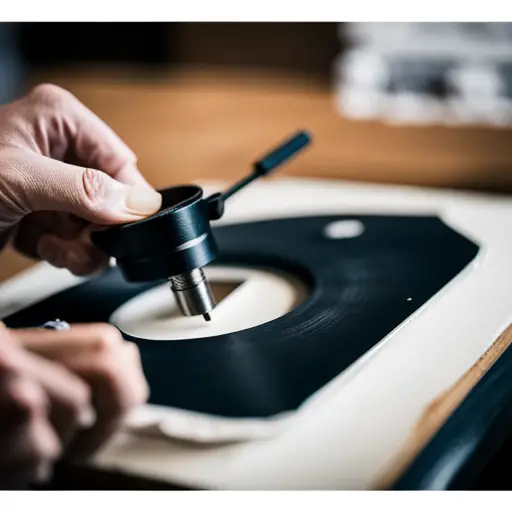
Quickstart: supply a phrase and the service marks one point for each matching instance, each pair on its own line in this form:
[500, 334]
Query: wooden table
[194, 124]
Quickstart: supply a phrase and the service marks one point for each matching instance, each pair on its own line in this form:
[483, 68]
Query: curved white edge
[241, 309]
[353, 427]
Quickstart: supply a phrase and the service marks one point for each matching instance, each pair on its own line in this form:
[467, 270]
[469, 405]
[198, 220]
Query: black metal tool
[177, 242]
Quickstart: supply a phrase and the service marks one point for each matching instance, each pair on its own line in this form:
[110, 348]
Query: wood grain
[200, 124]
[440, 410]
[211, 124]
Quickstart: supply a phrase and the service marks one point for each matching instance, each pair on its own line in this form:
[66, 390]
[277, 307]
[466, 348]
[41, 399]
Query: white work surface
[351, 429]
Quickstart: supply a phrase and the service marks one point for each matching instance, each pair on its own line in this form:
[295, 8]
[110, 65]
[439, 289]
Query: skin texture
[63, 174]
[97, 354]
[41, 404]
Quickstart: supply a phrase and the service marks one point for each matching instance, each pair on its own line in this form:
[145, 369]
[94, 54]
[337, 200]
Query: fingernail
[64, 254]
[143, 200]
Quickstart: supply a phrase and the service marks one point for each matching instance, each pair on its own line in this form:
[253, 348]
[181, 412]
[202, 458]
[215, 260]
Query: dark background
[293, 47]
[305, 47]
[28, 48]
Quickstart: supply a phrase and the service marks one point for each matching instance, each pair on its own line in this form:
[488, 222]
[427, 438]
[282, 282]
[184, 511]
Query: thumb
[86, 193]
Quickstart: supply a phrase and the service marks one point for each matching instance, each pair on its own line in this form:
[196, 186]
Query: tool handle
[281, 154]
[263, 167]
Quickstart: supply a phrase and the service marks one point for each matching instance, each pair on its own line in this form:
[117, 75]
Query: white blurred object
[425, 73]
[366, 69]
[476, 81]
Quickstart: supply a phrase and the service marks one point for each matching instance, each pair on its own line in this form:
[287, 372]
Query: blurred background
[410, 103]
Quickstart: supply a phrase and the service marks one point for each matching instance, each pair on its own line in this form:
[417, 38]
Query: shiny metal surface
[56, 325]
[193, 294]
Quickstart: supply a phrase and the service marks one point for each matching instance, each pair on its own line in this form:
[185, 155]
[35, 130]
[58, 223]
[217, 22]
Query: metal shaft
[193, 293]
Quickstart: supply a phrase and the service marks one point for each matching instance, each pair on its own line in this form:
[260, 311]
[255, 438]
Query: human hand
[111, 367]
[42, 406]
[62, 172]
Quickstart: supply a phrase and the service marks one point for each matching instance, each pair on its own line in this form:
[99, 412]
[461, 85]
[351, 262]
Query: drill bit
[193, 293]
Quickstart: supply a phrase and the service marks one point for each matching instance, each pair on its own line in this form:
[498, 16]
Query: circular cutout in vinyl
[266, 353]
[245, 298]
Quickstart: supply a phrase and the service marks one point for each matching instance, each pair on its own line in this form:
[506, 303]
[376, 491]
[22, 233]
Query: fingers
[28, 443]
[116, 391]
[6, 340]
[70, 397]
[35, 183]
[111, 367]
[79, 256]
[61, 239]
[64, 346]
[69, 129]
[99, 183]
[35, 225]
